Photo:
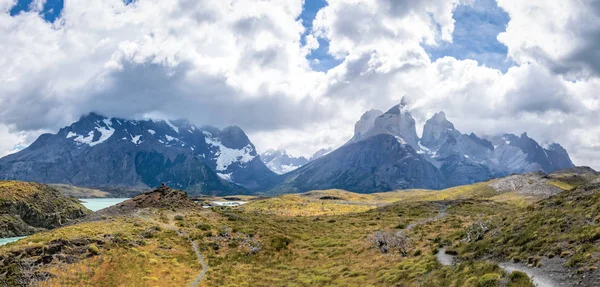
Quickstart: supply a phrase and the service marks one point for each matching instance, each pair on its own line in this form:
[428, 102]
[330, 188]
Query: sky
[298, 74]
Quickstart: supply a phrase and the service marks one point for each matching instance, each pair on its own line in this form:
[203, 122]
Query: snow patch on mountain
[152, 132]
[170, 138]
[226, 156]
[80, 139]
[225, 176]
[136, 139]
[176, 129]
[105, 133]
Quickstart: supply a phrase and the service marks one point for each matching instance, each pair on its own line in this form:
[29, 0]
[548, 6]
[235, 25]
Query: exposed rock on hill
[162, 197]
[26, 208]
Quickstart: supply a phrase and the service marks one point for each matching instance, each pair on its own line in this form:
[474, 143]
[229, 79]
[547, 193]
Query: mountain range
[384, 154]
[97, 151]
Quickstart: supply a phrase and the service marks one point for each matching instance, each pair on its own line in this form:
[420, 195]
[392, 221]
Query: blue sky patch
[320, 59]
[51, 11]
[475, 36]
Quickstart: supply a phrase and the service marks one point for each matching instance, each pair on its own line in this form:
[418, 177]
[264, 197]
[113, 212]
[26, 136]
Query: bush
[489, 280]
[390, 241]
[204, 227]
[518, 278]
[93, 249]
[178, 217]
[280, 242]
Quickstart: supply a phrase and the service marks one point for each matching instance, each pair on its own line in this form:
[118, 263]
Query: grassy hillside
[328, 238]
[29, 207]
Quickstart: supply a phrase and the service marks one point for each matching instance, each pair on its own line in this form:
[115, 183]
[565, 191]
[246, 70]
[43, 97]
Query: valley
[492, 231]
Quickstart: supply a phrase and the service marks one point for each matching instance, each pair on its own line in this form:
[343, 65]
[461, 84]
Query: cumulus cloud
[245, 63]
[562, 35]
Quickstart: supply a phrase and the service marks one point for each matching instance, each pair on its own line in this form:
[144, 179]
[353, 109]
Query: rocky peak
[366, 122]
[397, 122]
[436, 131]
[559, 157]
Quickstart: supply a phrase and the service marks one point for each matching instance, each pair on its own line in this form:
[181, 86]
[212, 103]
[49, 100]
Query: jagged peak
[439, 118]
[555, 146]
[402, 107]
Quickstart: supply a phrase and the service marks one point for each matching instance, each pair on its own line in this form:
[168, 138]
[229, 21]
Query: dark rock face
[437, 130]
[559, 158]
[379, 163]
[105, 153]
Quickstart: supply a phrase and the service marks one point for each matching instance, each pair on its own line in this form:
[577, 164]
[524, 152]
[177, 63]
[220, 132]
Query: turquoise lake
[93, 204]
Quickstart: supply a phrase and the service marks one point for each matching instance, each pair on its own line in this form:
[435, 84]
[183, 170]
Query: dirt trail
[443, 208]
[545, 276]
[193, 243]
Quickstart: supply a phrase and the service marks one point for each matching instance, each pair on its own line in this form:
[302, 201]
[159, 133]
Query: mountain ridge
[98, 151]
[458, 158]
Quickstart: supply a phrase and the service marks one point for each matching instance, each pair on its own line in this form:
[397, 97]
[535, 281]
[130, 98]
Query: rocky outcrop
[162, 197]
[29, 207]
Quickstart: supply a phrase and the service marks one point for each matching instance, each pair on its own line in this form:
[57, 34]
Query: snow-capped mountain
[280, 162]
[111, 152]
[442, 157]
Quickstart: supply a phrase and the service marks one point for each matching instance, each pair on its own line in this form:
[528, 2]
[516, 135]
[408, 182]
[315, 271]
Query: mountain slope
[100, 152]
[379, 163]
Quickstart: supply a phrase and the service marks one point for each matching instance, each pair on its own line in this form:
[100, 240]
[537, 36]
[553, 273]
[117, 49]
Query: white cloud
[562, 35]
[242, 62]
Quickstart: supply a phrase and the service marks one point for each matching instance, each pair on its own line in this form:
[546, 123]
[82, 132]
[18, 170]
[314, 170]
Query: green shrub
[280, 242]
[489, 280]
[178, 217]
[518, 278]
[204, 227]
[93, 249]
